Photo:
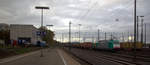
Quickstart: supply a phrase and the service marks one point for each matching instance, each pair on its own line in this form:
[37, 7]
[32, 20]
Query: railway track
[119, 60]
[95, 58]
[139, 57]
[145, 54]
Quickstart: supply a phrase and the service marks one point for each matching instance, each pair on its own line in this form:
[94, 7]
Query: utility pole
[145, 35]
[137, 28]
[142, 20]
[79, 32]
[128, 36]
[93, 38]
[70, 35]
[134, 58]
[105, 35]
[98, 35]
[83, 39]
[76, 36]
[111, 36]
[122, 37]
[62, 37]
[86, 35]
[132, 37]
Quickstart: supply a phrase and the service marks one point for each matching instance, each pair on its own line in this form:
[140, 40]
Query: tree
[4, 35]
[48, 37]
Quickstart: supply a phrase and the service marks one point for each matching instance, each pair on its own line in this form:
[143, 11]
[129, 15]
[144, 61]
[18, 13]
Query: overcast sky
[92, 14]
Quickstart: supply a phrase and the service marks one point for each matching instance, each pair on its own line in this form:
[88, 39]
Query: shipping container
[129, 45]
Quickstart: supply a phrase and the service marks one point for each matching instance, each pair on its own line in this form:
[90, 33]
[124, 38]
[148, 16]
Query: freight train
[107, 45]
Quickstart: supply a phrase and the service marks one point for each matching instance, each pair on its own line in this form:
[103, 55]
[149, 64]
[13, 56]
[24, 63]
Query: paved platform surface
[51, 57]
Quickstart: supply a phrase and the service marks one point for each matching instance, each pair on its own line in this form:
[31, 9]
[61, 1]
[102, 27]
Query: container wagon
[130, 45]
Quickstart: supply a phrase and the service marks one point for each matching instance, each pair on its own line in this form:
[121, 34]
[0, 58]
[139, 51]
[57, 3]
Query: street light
[137, 29]
[42, 8]
[142, 20]
[49, 29]
[50, 26]
[145, 35]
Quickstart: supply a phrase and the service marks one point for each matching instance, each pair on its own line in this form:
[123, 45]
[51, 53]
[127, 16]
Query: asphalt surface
[50, 57]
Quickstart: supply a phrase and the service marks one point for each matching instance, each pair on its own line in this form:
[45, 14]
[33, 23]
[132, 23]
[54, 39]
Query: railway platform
[50, 57]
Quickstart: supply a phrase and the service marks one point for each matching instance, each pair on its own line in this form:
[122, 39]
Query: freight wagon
[75, 44]
[130, 45]
[87, 45]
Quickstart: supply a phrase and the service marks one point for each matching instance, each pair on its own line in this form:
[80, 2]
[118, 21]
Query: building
[23, 33]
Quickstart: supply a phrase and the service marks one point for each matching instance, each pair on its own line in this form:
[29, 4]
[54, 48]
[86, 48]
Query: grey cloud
[89, 13]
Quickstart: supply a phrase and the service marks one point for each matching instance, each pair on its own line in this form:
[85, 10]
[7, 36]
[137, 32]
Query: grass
[21, 50]
[3, 46]
[10, 51]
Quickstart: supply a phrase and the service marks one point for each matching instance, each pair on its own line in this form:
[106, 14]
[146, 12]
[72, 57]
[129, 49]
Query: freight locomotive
[107, 45]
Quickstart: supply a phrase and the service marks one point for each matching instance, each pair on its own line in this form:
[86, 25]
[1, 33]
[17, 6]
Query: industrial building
[23, 33]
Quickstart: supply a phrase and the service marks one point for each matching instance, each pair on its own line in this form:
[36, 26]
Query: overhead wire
[87, 12]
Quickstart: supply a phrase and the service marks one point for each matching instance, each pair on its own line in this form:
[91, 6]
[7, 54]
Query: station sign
[38, 33]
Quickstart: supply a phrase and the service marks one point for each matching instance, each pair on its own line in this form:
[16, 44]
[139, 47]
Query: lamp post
[42, 8]
[49, 29]
[50, 26]
[137, 29]
[142, 20]
[145, 35]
